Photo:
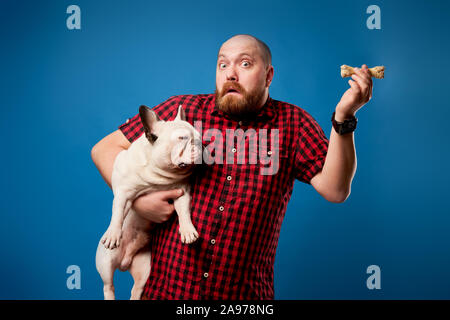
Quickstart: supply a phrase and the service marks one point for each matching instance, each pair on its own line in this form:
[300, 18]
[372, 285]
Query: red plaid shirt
[237, 211]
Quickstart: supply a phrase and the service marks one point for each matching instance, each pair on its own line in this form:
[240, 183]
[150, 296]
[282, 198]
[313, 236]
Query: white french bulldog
[161, 159]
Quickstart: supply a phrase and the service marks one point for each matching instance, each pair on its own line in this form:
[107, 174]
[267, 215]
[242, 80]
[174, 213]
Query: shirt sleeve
[132, 129]
[310, 150]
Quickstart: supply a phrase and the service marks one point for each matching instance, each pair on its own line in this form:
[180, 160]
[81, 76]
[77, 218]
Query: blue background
[62, 90]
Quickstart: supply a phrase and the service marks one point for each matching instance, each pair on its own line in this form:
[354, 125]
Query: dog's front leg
[187, 230]
[121, 206]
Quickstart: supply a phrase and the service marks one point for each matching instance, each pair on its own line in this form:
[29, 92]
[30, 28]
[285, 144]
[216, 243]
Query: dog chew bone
[376, 72]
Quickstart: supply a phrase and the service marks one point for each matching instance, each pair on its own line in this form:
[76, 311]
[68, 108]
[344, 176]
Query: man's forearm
[334, 182]
[340, 164]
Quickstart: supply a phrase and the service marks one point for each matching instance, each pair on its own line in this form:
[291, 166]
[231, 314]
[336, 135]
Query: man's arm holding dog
[105, 152]
[154, 206]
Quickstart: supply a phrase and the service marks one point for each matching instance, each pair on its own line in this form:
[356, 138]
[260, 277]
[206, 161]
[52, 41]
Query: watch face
[351, 125]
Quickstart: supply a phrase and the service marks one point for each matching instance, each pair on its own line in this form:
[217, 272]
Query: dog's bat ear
[181, 115]
[148, 119]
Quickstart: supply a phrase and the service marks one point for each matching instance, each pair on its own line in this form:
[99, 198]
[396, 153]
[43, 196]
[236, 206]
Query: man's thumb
[173, 194]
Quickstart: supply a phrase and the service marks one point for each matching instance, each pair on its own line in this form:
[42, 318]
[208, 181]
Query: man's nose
[232, 74]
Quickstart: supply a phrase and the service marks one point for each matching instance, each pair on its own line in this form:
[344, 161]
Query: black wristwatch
[349, 125]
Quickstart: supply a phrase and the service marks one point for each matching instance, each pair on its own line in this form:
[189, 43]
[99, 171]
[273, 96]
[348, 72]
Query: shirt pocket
[266, 179]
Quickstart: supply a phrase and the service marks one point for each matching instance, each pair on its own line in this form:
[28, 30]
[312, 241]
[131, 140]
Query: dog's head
[176, 145]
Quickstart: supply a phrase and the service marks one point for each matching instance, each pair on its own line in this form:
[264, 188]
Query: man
[237, 211]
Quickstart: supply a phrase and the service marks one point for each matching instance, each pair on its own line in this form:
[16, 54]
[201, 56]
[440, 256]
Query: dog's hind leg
[140, 271]
[104, 262]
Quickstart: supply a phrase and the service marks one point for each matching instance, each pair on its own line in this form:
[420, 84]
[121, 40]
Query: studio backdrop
[73, 71]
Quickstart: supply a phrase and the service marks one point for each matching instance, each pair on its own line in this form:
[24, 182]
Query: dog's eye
[183, 138]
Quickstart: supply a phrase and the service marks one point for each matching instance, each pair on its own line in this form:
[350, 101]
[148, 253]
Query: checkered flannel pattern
[237, 211]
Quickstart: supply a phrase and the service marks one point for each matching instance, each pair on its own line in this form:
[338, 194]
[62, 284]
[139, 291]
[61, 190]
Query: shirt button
[229, 178]
[213, 241]
[269, 152]
[221, 208]
[206, 274]
[233, 150]
[240, 123]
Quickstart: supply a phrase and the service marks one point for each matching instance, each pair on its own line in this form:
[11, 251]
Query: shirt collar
[267, 111]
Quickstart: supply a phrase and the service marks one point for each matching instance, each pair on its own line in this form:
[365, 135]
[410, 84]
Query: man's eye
[222, 65]
[245, 64]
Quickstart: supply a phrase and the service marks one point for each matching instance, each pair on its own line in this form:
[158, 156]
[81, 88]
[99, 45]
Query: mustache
[232, 85]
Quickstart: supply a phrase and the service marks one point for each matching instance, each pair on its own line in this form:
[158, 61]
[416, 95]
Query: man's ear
[148, 119]
[269, 76]
[180, 115]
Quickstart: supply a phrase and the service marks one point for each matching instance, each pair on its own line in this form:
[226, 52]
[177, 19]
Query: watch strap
[349, 125]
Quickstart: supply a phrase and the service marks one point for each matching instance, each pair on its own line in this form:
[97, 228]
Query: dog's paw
[111, 238]
[188, 233]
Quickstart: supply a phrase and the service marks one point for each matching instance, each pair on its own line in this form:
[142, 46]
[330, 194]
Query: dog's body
[161, 159]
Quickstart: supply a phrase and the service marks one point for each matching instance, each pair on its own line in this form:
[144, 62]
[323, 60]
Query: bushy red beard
[245, 105]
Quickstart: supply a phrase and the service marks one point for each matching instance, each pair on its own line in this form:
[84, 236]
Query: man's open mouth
[232, 91]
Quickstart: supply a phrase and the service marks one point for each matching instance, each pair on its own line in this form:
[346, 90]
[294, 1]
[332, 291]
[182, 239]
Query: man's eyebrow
[239, 56]
[245, 54]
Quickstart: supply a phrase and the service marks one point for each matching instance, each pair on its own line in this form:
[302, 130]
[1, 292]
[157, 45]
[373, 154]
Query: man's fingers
[354, 86]
[362, 85]
[366, 70]
[363, 72]
[364, 80]
[365, 76]
[361, 77]
[369, 76]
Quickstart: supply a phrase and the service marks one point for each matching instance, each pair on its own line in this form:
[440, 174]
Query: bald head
[246, 39]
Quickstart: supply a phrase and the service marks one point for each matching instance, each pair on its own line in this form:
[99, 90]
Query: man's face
[241, 77]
